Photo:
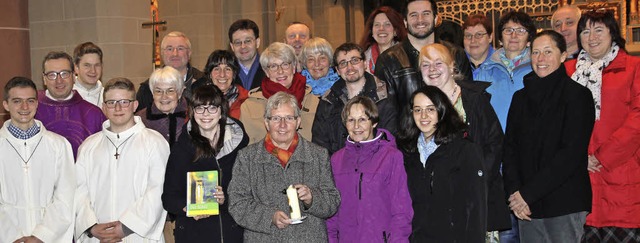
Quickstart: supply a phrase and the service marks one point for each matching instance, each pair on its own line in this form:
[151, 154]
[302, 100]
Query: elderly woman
[278, 61]
[167, 112]
[317, 65]
[545, 161]
[444, 171]
[220, 70]
[370, 155]
[471, 101]
[613, 76]
[210, 141]
[478, 35]
[384, 28]
[282, 158]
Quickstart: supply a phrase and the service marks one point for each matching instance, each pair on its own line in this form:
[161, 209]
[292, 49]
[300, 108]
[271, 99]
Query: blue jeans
[512, 235]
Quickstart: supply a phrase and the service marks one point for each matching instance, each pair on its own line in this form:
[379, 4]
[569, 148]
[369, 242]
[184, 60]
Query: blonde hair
[435, 51]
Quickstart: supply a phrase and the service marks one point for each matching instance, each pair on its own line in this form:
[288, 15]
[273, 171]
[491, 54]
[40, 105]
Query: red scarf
[375, 52]
[298, 85]
[282, 155]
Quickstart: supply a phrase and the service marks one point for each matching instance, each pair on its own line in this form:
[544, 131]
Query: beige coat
[252, 114]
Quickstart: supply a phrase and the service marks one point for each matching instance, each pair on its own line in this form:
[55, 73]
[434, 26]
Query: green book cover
[201, 185]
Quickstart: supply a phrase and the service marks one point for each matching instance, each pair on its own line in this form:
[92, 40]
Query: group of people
[403, 137]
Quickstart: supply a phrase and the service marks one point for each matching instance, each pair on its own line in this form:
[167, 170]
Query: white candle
[292, 194]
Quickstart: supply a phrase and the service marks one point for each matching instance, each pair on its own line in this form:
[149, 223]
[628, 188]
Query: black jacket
[486, 131]
[329, 131]
[145, 96]
[399, 67]
[548, 130]
[449, 196]
[175, 191]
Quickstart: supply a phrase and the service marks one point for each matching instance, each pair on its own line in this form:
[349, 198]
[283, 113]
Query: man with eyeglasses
[120, 173]
[244, 39]
[398, 64]
[37, 175]
[61, 109]
[176, 52]
[565, 21]
[328, 129]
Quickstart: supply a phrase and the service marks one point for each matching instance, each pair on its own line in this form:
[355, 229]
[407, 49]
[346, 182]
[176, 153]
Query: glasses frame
[124, 103]
[167, 92]
[197, 109]
[274, 67]
[476, 36]
[279, 119]
[345, 63]
[520, 31]
[67, 73]
[180, 49]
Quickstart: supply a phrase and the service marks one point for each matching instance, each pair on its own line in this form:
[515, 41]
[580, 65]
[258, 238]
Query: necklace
[118, 146]
[452, 96]
[26, 162]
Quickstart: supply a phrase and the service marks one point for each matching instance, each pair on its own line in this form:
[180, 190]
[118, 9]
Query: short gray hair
[279, 99]
[176, 34]
[167, 75]
[278, 50]
[316, 45]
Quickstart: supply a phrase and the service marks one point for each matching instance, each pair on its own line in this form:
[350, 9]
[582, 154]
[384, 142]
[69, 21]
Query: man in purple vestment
[61, 109]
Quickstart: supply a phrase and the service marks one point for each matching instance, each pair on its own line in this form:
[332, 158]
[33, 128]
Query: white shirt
[36, 198]
[127, 189]
[93, 96]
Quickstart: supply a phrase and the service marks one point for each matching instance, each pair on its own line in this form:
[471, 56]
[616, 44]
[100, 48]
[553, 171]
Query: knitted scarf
[589, 73]
[321, 85]
[232, 94]
[282, 155]
[297, 88]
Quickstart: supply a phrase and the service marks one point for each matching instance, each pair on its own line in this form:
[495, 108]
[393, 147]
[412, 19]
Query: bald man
[565, 21]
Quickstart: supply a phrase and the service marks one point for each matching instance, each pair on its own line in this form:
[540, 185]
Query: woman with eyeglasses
[210, 141]
[471, 101]
[370, 163]
[445, 172]
[545, 148]
[167, 113]
[613, 76]
[282, 189]
[478, 36]
[279, 64]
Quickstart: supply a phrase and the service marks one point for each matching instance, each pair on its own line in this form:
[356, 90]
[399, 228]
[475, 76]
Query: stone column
[14, 43]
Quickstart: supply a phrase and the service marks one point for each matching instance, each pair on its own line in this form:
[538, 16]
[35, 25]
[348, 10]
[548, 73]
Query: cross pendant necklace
[26, 162]
[117, 155]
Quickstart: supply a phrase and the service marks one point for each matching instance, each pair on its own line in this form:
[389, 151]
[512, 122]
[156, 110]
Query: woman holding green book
[209, 142]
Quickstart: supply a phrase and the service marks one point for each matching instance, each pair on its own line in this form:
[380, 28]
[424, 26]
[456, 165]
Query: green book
[201, 186]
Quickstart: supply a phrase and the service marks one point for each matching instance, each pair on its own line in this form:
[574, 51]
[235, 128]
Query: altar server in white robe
[120, 175]
[37, 176]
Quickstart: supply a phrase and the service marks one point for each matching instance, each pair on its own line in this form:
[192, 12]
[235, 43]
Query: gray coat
[255, 192]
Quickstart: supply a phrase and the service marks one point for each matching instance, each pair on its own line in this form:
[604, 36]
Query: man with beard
[244, 38]
[176, 52]
[398, 64]
[328, 129]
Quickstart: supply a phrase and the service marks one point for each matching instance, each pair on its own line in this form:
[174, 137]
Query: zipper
[431, 182]
[385, 237]
[360, 187]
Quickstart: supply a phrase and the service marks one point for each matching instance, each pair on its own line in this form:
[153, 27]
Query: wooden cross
[154, 25]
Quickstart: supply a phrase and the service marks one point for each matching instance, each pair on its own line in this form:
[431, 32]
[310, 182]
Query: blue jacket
[503, 83]
[475, 70]
[376, 205]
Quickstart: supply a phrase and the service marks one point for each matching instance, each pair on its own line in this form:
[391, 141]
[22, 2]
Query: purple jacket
[74, 119]
[376, 205]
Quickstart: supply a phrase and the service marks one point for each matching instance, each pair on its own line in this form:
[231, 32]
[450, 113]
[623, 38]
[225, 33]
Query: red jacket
[615, 142]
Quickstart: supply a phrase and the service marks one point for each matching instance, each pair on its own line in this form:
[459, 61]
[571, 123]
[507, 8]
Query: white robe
[37, 199]
[127, 189]
[93, 96]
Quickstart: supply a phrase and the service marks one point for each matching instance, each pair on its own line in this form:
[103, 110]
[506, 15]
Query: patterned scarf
[232, 94]
[510, 64]
[23, 134]
[282, 155]
[426, 148]
[297, 88]
[589, 73]
[320, 86]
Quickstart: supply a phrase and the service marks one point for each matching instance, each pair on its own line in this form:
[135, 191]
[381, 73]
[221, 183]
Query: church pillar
[14, 43]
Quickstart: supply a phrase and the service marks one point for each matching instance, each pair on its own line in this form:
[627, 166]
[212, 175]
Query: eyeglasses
[167, 92]
[179, 49]
[476, 35]
[278, 119]
[53, 75]
[123, 103]
[519, 31]
[430, 110]
[353, 121]
[246, 42]
[274, 67]
[209, 108]
[354, 61]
